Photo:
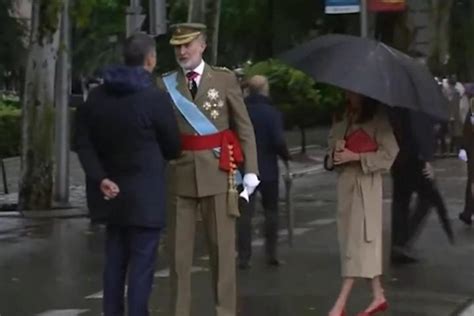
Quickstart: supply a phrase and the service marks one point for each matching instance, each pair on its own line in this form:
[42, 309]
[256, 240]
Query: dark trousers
[469, 201]
[407, 224]
[269, 192]
[132, 251]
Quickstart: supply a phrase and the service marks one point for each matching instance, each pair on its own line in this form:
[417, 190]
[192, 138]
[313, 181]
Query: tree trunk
[207, 12]
[197, 11]
[303, 140]
[213, 18]
[440, 17]
[36, 185]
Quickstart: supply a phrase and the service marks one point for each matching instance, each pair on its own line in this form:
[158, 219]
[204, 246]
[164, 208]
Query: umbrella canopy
[370, 68]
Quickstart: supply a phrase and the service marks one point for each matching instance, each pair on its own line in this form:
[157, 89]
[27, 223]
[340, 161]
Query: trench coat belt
[367, 204]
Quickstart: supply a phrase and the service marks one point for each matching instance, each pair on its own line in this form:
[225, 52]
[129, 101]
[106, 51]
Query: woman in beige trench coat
[359, 196]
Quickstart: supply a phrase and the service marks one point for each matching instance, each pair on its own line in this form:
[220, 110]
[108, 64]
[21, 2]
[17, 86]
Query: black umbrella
[370, 68]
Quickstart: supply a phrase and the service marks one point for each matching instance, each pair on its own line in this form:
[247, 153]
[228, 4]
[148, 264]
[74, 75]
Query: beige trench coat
[359, 196]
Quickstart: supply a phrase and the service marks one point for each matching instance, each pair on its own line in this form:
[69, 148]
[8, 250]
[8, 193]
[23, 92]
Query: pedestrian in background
[269, 135]
[453, 90]
[467, 154]
[412, 173]
[361, 147]
[125, 132]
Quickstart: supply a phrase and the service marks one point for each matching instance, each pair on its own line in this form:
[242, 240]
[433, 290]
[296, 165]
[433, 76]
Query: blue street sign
[342, 6]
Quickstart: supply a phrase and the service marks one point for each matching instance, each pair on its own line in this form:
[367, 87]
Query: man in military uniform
[216, 134]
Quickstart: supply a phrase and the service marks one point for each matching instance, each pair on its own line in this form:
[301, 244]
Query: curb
[41, 214]
[75, 212]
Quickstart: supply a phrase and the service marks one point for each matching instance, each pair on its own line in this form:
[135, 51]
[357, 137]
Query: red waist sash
[220, 140]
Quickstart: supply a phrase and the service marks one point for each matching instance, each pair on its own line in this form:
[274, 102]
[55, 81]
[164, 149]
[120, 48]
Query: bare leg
[340, 304]
[378, 293]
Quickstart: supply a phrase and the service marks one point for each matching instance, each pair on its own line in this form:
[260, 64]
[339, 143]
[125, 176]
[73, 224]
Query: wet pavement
[52, 267]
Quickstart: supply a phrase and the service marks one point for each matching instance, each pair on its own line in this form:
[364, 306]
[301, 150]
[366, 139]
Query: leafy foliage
[10, 129]
[461, 42]
[12, 32]
[303, 102]
[49, 17]
[99, 25]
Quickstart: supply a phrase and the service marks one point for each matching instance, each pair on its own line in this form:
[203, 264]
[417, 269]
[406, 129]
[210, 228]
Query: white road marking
[165, 273]
[63, 312]
[260, 242]
[96, 296]
[469, 311]
[322, 222]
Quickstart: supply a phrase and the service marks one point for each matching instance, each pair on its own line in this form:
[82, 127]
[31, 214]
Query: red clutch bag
[360, 142]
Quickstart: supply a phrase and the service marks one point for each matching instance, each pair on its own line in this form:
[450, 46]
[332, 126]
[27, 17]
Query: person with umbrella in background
[267, 122]
[466, 154]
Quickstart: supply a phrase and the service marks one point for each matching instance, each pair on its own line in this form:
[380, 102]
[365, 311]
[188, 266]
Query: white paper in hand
[245, 195]
[250, 183]
[463, 155]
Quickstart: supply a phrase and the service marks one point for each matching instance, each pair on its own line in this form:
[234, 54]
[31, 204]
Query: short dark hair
[136, 48]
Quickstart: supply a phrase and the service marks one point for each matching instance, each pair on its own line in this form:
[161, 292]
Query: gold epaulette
[224, 69]
[168, 73]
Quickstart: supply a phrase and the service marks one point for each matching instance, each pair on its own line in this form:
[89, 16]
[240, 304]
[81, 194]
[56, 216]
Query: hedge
[10, 131]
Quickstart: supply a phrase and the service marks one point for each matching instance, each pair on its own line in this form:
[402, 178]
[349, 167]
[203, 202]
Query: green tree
[12, 48]
[462, 40]
[303, 102]
[98, 31]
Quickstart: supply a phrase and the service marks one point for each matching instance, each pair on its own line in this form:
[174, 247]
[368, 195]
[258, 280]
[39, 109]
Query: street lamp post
[364, 19]
[134, 18]
[157, 17]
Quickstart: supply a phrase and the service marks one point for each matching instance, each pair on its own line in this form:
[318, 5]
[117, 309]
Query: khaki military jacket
[219, 97]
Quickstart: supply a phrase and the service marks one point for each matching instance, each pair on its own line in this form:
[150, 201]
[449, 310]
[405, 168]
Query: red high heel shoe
[382, 307]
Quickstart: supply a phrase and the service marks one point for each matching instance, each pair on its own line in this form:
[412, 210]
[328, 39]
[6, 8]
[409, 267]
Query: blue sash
[201, 124]
[190, 111]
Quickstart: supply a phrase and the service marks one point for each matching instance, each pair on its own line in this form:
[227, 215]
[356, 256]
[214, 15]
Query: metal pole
[289, 206]
[157, 14]
[134, 18]
[364, 19]
[4, 176]
[61, 188]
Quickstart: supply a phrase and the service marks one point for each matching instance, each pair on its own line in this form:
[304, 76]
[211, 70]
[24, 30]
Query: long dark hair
[368, 110]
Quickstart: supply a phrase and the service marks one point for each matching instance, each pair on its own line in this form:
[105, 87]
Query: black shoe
[273, 262]
[402, 257]
[244, 265]
[465, 219]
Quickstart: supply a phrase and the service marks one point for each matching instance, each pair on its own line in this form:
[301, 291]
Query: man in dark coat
[125, 133]
[268, 126]
[412, 172]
